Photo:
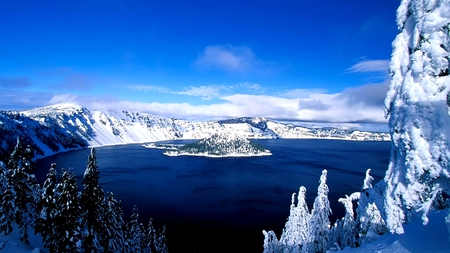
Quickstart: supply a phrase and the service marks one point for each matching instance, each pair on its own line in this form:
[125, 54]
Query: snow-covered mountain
[61, 127]
[222, 144]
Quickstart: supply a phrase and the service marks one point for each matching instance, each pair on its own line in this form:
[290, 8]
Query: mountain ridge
[62, 127]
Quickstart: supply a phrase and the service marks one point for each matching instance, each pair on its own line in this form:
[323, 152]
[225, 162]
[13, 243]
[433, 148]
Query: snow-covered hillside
[63, 127]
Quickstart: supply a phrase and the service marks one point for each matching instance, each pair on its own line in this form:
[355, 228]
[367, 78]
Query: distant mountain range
[63, 127]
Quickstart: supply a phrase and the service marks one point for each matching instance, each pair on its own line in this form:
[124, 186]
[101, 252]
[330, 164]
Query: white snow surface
[108, 127]
[418, 238]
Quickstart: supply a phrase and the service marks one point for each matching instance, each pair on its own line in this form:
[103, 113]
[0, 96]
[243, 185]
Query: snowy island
[222, 144]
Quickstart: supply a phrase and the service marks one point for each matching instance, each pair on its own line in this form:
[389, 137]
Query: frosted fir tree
[271, 244]
[114, 240]
[320, 222]
[370, 223]
[7, 206]
[135, 233]
[25, 189]
[68, 217]
[345, 231]
[93, 200]
[296, 233]
[46, 222]
[150, 238]
[160, 241]
[417, 106]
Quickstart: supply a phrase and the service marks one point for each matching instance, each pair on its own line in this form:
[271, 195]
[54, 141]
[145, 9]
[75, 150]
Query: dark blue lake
[221, 204]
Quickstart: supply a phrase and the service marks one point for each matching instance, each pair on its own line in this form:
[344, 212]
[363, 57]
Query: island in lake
[223, 144]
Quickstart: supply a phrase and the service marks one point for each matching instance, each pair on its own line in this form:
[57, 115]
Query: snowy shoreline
[216, 156]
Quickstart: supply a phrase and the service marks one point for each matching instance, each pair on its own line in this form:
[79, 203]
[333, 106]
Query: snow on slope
[417, 238]
[62, 127]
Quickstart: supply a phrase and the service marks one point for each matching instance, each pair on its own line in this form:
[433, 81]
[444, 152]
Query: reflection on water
[226, 201]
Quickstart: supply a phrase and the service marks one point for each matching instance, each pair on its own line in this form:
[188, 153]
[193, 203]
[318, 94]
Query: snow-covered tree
[7, 206]
[320, 222]
[296, 233]
[25, 189]
[345, 230]
[417, 106]
[370, 223]
[271, 244]
[68, 217]
[46, 223]
[135, 232]
[161, 241]
[92, 200]
[114, 226]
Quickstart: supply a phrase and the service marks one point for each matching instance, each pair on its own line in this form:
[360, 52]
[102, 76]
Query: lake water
[220, 204]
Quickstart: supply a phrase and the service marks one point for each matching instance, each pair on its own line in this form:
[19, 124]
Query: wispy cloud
[147, 88]
[205, 92]
[239, 59]
[370, 66]
[300, 93]
[352, 105]
[14, 82]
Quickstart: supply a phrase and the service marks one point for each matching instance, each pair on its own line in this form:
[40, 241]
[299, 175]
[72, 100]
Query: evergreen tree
[150, 238]
[271, 244]
[346, 231]
[68, 216]
[7, 207]
[370, 223]
[161, 242]
[25, 190]
[92, 199]
[417, 106]
[114, 226]
[320, 222]
[46, 223]
[296, 233]
[135, 232]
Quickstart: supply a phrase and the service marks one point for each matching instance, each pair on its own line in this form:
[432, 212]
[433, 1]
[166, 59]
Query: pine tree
[150, 238]
[271, 244]
[346, 234]
[46, 222]
[68, 217]
[134, 231]
[296, 233]
[7, 207]
[114, 226]
[370, 223]
[25, 190]
[92, 199]
[417, 106]
[320, 222]
[161, 241]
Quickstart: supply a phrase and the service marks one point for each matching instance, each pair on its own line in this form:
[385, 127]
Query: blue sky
[314, 61]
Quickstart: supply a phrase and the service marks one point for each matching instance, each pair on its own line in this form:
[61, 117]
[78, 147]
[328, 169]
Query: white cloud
[147, 88]
[205, 92]
[229, 58]
[300, 93]
[353, 105]
[370, 66]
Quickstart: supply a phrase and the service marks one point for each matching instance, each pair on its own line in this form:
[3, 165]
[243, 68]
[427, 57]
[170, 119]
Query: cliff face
[63, 127]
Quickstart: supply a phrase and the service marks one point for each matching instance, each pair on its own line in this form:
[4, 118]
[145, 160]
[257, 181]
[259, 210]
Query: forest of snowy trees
[69, 220]
[307, 231]
[418, 176]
